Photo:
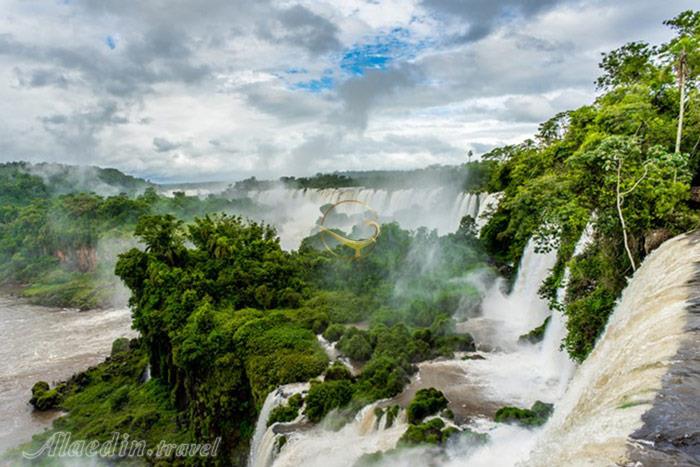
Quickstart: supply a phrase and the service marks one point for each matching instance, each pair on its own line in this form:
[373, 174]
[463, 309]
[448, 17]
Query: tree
[162, 236]
[627, 65]
[682, 52]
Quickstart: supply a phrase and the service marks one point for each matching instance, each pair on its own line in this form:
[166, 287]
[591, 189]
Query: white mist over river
[49, 344]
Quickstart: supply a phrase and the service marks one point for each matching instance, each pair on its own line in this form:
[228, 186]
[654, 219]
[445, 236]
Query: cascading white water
[556, 361]
[486, 204]
[262, 444]
[324, 447]
[505, 317]
[295, 212]
[617, 383]
[273, 399]
[334, 355]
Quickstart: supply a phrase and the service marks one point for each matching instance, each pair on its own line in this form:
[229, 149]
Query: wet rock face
[655, 238]
[670, 434]
[695, 194]
[44, 398]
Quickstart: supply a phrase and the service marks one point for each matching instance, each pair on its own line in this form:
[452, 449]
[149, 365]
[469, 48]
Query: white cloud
[222, 89]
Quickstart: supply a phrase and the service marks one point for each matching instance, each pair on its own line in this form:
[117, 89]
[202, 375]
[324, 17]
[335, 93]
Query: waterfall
[295, 211]
[146, 376]
[507, 316]
[325, 447]
[263, 442]
[614, 389]
[556, 362]
[485, 204]
[334, 355]
[509, 373]
[273, 399]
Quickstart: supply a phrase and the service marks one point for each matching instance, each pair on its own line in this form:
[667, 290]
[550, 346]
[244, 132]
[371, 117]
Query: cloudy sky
[178, 90]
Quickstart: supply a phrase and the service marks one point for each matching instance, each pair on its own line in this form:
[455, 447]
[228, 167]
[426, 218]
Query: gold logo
[358, 245]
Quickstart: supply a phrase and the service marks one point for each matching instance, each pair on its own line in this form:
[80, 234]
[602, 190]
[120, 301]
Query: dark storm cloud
[299, 25]
[286, 104]
[79, 131]
[160, 55]
[271, 81]
[40, 77]
[362, 93]
[164, 145]
[482, 16]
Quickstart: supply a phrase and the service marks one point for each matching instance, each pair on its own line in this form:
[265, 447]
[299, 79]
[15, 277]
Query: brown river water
[50, 344]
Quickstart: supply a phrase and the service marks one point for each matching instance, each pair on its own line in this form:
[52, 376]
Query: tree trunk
[622, 219]
[681, 83]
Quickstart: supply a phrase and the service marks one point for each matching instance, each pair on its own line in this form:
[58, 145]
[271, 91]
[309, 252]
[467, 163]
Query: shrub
[535, 416]
[326, 396]
[286, 412]
[431, 432]
[426, 402]
[448, 345]
[356, 346]
[338, 371]
[383, 377]
[282, 414]
[537, 334]
[334, 332]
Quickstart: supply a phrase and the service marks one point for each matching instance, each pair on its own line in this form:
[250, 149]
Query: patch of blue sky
[296, 71]
[111, 42]
[377, 52]
[380, 52]
[324, 83]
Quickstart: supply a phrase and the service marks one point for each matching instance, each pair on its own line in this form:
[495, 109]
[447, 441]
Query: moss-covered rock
[537, 334]
[391, 413]
[120, 345]
[535, 416]
[286, 412]
[44, 398]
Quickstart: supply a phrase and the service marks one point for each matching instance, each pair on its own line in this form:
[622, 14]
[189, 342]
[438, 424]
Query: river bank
[50, 344]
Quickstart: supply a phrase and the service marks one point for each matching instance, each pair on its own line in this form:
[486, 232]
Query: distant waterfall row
[295, 212]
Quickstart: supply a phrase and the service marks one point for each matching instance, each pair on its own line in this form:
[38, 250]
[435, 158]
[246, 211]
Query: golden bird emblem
[355, 244]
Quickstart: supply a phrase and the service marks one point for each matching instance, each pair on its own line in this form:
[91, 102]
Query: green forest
[225, 315]
[59, 241]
